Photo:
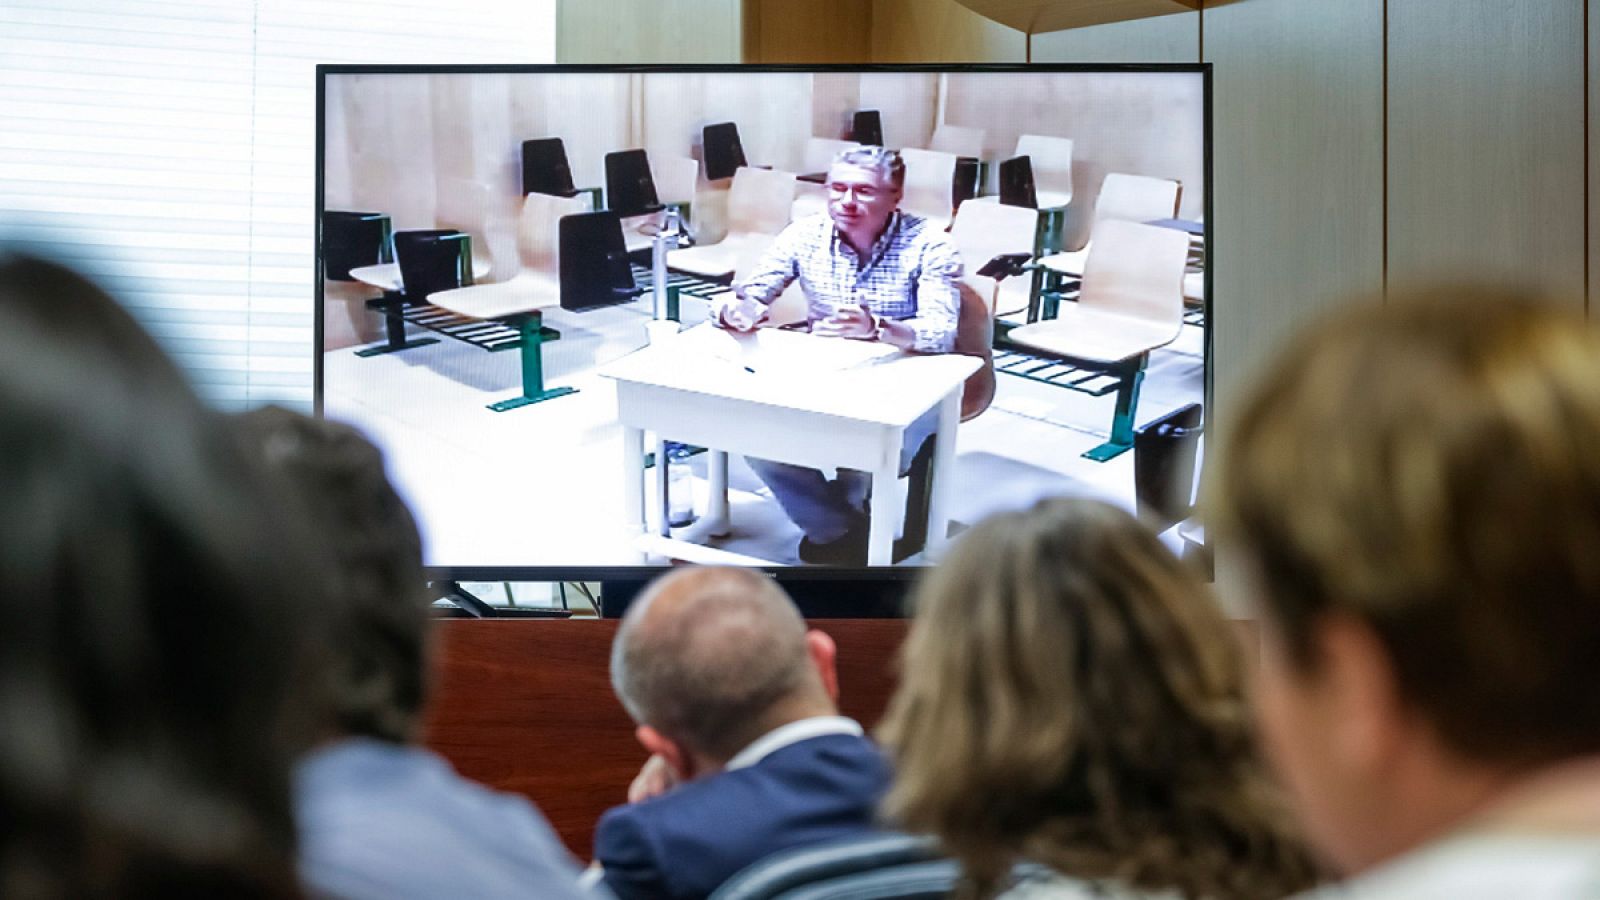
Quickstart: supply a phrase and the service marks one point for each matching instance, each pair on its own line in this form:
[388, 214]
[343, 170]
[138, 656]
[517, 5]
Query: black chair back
[1163, 466]
[594, 261]
[1016, 183]
[545, 169]
[964, 186]
[432, 260]
[866, 127]
[630, 188]
[722, 151]
[351, 240]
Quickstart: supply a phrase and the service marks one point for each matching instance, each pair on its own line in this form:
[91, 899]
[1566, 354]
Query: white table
[790, 397]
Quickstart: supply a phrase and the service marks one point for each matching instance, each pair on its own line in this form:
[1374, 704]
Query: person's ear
[671, 752]
[1364, 695]
[823, 652]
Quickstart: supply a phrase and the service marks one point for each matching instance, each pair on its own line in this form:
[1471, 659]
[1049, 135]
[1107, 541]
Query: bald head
[715, 657]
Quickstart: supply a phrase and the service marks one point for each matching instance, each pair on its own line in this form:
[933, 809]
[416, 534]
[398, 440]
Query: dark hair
[1070, 695]
[159, 619]
[380, 603]
[1429, 465]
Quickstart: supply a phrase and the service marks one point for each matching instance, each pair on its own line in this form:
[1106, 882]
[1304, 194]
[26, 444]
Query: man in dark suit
[735, 701]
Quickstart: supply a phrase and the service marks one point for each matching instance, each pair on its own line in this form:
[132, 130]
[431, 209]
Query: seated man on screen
[869, 272]
[735, 700]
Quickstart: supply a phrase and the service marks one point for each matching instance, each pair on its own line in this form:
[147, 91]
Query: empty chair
[593, 262]
[350, 240]
[537, 282]
[631, 195]
[677, 178]
[1130, 304]
[432, 260]
[812, 196]
[722, 151]
[1017, 187]
[929, 189]
[983, 231]
[1052, 168]
[758, 208]
[464, 205]
[1128, 198]
[545, 169]
[958, 139]
[866, 127]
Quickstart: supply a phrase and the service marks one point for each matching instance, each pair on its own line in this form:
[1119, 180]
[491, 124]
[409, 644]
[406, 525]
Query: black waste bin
[1163, 466]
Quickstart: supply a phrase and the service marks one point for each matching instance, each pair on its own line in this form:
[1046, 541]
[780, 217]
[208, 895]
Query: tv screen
[591, 345]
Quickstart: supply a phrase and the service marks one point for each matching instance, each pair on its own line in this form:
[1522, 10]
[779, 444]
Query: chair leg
[534, 335]
[1132, 375]
[394, 327]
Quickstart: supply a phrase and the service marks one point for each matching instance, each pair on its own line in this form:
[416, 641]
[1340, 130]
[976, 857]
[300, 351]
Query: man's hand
[653, 780]
[743, 314]
[848, 322]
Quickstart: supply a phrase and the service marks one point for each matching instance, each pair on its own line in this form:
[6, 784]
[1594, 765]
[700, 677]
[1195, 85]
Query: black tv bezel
[786, 573]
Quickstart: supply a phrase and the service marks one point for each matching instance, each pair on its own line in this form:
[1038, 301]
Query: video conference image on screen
[778, 318]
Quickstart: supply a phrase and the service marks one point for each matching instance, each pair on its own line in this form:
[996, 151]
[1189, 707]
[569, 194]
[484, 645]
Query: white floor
[541, 485]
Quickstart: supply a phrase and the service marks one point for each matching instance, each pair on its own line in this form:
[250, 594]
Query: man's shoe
[849, 549]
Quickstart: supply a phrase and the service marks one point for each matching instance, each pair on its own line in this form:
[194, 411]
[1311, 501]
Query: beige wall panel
[1486, 141]
[657, 31]
[1594, 148]
[1298, 181]
[1161, 39]
[808, 31]
[834, 97]
[908, 102]
[940, 31]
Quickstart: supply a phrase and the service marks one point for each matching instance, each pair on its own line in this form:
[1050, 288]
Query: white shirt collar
[792, 733]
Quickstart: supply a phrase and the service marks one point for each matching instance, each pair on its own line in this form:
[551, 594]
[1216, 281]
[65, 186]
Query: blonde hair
[1431, 467]
[1070, 695]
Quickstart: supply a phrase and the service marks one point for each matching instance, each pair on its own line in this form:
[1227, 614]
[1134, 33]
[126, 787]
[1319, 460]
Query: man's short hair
[1431, 467]
[886, 163]
[705, 653]
[381, 608]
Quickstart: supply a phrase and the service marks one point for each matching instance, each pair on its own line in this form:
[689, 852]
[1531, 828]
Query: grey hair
[705, 653]
[887, 163]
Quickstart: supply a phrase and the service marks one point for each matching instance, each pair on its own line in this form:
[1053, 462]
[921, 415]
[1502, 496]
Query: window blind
[167, 149]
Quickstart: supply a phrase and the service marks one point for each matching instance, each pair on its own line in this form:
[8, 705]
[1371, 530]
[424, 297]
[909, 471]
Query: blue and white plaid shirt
[911, 275]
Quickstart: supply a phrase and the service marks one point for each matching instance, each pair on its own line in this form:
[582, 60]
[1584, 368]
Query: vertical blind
[167, 149]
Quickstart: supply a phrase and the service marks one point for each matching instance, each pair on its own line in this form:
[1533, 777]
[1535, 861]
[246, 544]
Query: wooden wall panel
[1592, 11]
[1161, 39]
[1486, 141]
[658, 31]
[807, 31]
[936, 31]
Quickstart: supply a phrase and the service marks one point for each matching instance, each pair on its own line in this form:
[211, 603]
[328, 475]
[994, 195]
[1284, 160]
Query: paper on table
[767, 351]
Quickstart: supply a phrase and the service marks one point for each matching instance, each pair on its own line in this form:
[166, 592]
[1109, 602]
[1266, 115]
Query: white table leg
[633, 480]
[888, 503]
[717, 518]
[944, 460]
[661, 482]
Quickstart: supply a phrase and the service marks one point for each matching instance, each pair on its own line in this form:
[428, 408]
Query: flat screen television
[609, 432]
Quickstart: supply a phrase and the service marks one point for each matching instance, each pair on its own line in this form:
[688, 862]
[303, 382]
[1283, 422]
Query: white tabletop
[861, 380]
[386, 276]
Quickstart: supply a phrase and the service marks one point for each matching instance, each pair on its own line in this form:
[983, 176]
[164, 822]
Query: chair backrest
[594, 261]
[630, 184]
[676, 177]
[1136, 198]
[866, 127]
[975, 337]
[1137, 271]
[819, 153]
[835, 869]
[1017, 187]
[982, 231]
[958, 139]
[723, 153]
[432, 260]
[1052, 160]
[1163, 465]
[930, 180]
[464, 205]
[545, 169]
[539, 231]
[352, 239]
[759, 201]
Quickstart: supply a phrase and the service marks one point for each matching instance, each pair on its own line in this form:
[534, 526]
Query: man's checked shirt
[911, 275]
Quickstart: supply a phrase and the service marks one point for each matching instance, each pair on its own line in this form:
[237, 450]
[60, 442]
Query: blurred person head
[710, 658]
[1415, 487]
[380, 606]
[1070, 695]
[159, 618]
[865, 185]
